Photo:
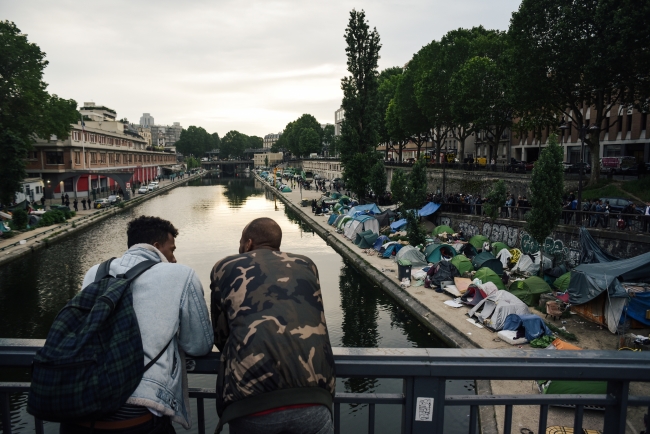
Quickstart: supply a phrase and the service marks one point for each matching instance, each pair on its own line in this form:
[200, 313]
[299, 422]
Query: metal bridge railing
[424, 372]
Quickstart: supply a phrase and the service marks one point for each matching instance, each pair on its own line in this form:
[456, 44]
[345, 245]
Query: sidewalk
[590, 336]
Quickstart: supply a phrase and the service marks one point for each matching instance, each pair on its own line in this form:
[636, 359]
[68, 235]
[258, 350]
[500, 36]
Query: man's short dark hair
[264, 232]
[149, 230]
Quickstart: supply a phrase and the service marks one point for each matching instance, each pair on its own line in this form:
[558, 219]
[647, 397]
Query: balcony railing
[424, 373]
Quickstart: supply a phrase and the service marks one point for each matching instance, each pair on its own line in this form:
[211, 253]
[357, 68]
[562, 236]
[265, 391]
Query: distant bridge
[228, 166]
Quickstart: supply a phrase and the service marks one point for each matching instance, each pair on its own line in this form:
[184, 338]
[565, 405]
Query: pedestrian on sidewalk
[83, 202]
[62, 199]
[67, 201]
[43, 201]
[76, 204]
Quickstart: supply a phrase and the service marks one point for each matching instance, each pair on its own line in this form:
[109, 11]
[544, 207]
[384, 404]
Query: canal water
[210, 214]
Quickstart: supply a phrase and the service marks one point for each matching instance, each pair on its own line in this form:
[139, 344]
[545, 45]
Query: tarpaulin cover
[562, 282]
[433, 252]
[590, 250]
[370, 208]
[487, 275]
[533, 325]
[462, 263]
[496, 307]
[639, 305]
[487, 259]
[384, 218]
[412, 254]
[529, 290]
[399, 224]
[589, 280]
[332, 219]
[379, 242]
[428, 209]
[477, 241]
[440, 229]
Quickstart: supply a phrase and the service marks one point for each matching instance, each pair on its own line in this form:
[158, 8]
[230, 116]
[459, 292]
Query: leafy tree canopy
[399, 185]
[377, 178]
[294, 131]
[416, 192]
[195, 141]
[233, 144]
[495, 199]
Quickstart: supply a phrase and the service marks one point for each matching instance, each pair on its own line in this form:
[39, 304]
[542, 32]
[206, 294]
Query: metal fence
[424, 372]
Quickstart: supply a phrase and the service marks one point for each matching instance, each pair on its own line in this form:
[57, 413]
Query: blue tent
[370, 208]
[533, 325]
[428, 209]
[392, 248]
[380, 242]
[639, 307]
[399, 224]
[332, 219]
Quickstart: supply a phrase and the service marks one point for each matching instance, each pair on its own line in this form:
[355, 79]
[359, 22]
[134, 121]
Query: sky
[245, 65]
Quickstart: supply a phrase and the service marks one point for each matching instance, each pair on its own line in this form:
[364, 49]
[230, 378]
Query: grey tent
[496, 307]
[385, 217]
[590, 250]
[412, 254]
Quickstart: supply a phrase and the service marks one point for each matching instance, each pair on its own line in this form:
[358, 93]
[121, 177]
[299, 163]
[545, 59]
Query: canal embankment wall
[41, 238]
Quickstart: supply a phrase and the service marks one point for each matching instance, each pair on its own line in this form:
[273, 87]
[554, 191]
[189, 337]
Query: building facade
[338, 120]
[270, 139]
[259, 160]
[146, 120]
[94, 157]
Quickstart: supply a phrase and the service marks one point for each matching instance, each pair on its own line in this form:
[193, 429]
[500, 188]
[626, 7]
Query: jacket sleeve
[219, 320]
[195, 333]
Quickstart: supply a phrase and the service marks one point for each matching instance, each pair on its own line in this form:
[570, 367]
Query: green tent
[360, 236]
[442, 228]
[344, 200]
[497, 247]
[368, 241]
[462, 263]
[336, 195]
[286, 189]
[487, 275]
[571, 387]
[529, 290]
[562, 282]
[487, 259]
[477, 241]
[343, 221]
[433, 252]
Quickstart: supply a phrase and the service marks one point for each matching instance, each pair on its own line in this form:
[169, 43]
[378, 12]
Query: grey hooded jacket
[169, 302]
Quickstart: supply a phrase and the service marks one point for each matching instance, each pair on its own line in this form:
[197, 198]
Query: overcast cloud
[251, 66]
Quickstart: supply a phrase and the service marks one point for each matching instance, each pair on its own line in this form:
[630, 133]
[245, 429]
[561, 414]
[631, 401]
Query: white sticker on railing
[424, 409]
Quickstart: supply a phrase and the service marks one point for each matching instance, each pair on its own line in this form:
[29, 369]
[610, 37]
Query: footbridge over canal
[228, 167]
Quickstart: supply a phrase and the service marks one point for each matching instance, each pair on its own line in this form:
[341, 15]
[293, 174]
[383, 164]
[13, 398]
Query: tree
[309, 141]
[495, 199]
[416, 233]
[266, 161]
[27, 110]
[195, 141]
[216, 141]
[398, 185]
[416, 192]
[233, 144]
[12, 166]
[546, 189]
[328, 138]
[296, 140]
[192, 162]
[377, 178]
[388, 79]
[583, 58]
[255, 142]
[359, 135]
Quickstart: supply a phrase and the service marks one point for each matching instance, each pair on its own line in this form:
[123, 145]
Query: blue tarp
[428, 209]
[380, 242]
[396, 226]
[332, 219]
[534, 325]
[639, 305]
[392, 248]
[371, 208]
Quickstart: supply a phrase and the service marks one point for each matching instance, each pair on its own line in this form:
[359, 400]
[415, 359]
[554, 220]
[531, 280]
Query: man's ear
[248, 246]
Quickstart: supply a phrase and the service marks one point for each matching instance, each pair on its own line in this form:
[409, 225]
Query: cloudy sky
[248, 65]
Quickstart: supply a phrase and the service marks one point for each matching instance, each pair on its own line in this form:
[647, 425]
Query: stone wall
[563, 244]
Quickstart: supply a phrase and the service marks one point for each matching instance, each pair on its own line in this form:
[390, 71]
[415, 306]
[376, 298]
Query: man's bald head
[261, 233]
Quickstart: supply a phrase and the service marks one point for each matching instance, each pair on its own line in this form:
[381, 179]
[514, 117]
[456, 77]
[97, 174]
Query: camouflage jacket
[269, 324]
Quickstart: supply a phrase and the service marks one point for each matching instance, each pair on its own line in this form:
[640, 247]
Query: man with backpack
[172, 319]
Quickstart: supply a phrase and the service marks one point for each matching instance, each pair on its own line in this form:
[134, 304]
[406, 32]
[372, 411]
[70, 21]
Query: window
[93, 158]
[32, 155]
[130, 158]
[644, 120]
[117, 158]
[76, 135]
[77, 157]
[54, 157]
[92, 138]
[102, 158]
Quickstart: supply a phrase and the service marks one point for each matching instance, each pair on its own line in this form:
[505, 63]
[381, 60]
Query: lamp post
[584, 129]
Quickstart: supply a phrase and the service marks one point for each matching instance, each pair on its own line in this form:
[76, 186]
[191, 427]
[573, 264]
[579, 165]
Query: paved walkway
[590, 336]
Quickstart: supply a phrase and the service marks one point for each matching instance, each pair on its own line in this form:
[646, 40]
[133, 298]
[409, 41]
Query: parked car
[617, 204]
[101, 203]
[567, 167]
[517, 166]
[143, 189]
[575, 168]
[152, 187]
[114, 199]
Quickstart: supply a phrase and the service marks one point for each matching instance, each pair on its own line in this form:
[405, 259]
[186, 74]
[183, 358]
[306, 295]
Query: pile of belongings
[529, 264]
[519, 329]
[443, 271]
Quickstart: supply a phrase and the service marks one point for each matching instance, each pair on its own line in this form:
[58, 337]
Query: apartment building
[270, 139]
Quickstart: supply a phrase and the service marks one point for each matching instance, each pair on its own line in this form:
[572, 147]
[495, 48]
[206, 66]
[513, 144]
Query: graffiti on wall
[514, 236]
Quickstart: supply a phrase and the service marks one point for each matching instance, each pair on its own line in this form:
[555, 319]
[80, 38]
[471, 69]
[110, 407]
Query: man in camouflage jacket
[269, 324]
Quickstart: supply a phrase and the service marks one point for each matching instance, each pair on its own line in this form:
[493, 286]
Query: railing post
[6, 414]
[428, 406]
[616, 414]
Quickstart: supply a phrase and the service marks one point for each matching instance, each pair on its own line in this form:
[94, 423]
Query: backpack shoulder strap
[137, 270]
[155, 359]
[103, 270]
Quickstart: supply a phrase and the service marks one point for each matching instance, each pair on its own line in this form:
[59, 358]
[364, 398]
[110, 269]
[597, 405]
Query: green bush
[20, 219]
[52, 217]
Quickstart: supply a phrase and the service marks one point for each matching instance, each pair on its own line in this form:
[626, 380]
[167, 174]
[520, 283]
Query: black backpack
[92, 360]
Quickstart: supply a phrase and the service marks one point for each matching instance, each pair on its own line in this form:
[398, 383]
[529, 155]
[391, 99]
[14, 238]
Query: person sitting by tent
[443, 271]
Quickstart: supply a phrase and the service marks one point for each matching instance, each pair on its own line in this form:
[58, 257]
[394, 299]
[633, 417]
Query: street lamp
[584, 129]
